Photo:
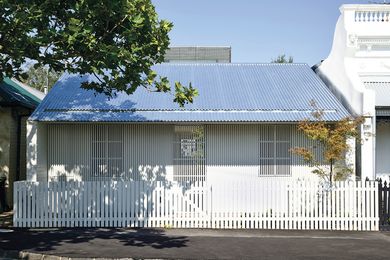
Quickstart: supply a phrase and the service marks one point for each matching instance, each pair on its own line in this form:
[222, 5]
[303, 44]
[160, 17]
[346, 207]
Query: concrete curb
[34, 256]
[13, 254]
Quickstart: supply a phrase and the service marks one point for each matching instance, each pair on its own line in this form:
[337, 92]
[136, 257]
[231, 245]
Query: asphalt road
[199, 244]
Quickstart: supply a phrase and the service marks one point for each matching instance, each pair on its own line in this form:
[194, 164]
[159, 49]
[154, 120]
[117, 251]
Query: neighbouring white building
[358, 71]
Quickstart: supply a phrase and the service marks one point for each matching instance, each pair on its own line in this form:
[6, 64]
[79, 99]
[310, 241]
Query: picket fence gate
[384, 204]
[271, 204]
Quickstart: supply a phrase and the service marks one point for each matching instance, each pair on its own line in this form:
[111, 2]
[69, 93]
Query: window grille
[274, 150]
[189, 154]
[107, 152]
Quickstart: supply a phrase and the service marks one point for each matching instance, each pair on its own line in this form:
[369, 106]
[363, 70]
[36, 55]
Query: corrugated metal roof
[382, 91]
[15, 92]
[227, 92]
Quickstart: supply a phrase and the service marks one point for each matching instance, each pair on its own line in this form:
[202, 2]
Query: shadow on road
[47, 240]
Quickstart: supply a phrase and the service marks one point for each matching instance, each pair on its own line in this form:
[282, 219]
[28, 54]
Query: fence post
[380, 199]
[385, 198]
[15, 208]
[386, 202]
[210, 199]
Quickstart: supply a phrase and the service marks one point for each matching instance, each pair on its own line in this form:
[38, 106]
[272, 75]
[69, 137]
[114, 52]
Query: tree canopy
[117, 41]
[283, 59]
[332, 137]
[40, 77]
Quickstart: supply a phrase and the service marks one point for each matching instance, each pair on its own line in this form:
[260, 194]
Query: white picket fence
[261, 204]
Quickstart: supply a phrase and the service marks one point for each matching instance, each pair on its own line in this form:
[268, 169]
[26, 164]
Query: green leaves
[333, 140]
[138, 20]
[163, 85]
[125, 38]
[184, 95]
[283, 59]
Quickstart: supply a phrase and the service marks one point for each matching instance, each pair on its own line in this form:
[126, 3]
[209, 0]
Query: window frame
[102, 158]
[183, 170]
[264, 168]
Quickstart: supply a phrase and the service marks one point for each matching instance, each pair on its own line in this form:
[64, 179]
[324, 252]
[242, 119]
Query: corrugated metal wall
[252, 151]
[148, 151]
[166, 152]
[98, 152]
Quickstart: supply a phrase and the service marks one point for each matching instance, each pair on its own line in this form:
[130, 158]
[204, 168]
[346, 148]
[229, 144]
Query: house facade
[358, 72]
[17, 102]
[242, 125]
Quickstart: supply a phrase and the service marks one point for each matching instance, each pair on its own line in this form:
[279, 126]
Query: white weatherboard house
[358, 72]
[241, 125]
[222, 162]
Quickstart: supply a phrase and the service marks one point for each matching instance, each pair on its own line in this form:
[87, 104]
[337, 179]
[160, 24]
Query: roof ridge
[39, 95]
[184, 110]
[231, 64]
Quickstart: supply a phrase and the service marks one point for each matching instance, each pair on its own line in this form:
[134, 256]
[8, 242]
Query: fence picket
[292, 200]
[371, 209]
[354, 206]
[376, 207]
[264, 204]
[106, 203]
[361, 201]
[362, 205]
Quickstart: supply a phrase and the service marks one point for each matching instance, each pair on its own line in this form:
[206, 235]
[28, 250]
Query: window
[189, 154]
[274, 146]
[107, 155]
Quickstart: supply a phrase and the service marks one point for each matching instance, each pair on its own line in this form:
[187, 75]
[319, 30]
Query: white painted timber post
[32, 161]
[368, 136]
[36, 151]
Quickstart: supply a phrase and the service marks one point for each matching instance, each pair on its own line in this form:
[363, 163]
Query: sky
[257, 31]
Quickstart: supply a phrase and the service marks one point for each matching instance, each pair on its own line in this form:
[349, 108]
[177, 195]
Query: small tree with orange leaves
[333, 139]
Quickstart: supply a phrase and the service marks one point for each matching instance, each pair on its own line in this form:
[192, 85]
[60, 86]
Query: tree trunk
[331, 172]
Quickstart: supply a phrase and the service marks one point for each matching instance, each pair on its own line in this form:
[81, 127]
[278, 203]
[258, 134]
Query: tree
[283, 59]
[41, 77]
[117, 41]
[332, 137]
